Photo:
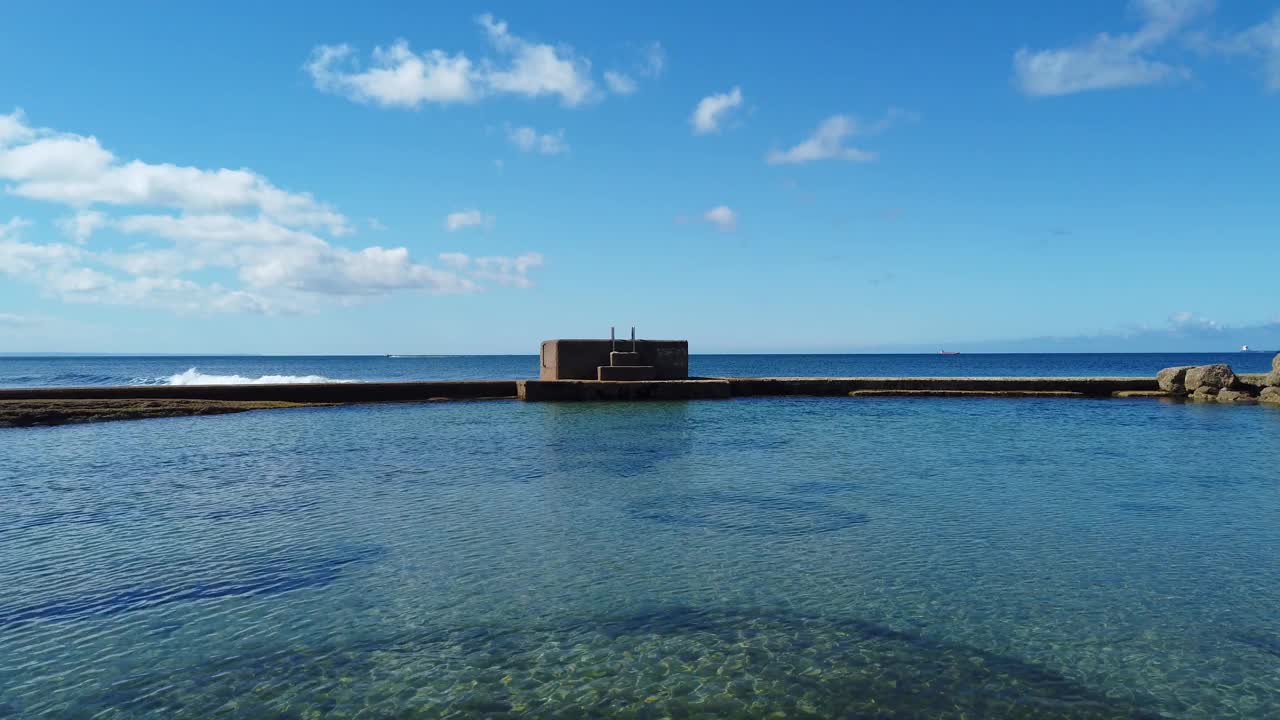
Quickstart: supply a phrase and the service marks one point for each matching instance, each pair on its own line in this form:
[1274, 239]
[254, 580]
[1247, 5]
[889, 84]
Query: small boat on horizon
[945, 352]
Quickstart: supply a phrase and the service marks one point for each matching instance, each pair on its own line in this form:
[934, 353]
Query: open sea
[748, 558]
[17, 371]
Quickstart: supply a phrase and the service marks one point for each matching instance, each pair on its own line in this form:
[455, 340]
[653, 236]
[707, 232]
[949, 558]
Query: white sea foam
[193, 376]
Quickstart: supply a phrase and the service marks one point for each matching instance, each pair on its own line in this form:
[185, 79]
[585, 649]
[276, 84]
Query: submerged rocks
[1213, 377]
[1173, 380]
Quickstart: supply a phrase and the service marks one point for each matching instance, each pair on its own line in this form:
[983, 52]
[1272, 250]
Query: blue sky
[320, 178]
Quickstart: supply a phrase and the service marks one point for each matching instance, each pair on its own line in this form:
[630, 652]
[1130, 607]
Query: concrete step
[617, 359]
[626, 372]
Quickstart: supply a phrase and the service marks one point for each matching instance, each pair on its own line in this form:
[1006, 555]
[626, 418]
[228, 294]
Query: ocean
[16, 371]
[745, 558]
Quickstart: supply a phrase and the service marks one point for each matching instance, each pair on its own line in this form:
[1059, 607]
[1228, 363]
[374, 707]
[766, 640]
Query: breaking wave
[193, 376]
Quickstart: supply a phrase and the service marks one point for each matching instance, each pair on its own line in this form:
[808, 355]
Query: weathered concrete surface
[1095, 386]
[627, 372]
[29, 413]
[578, 359]
[584, 390]
[968, 393]
[830, 387]
[571, 390]
[298, 393]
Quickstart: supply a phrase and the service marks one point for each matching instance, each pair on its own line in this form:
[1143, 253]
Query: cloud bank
[198, 240]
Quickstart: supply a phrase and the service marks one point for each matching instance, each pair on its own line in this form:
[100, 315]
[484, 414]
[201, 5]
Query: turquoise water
[890, 558]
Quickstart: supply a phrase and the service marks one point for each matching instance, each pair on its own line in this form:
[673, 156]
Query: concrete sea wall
[695, 389]
[51, 406]
[296, 393]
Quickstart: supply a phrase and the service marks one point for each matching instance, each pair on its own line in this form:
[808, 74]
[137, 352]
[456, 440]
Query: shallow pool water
[878, 557]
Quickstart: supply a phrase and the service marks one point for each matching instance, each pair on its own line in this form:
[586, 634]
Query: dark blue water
[80, 371]
[751, 558]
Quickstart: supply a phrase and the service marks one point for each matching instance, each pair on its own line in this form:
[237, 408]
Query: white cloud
[724, 218]
[76, 170]
[619, 83]
[1110, 61]
[396, 76]
[189, 220]
[537, 69]
[12, 320]
[827, 143]
[1192, 321]
[456, 260]
[468, 218]
[509, 271]
[13, 129]
[81, 226]
[19, 258]
[1263, 42]
[12, 227]
[531, 141]
[655, 60]
[713, 110]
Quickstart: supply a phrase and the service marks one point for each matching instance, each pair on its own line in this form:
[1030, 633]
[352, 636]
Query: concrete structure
[597, 390]
[297, 393]
[583, 390]
[718, 388]
[1087, 386]
[585, 359]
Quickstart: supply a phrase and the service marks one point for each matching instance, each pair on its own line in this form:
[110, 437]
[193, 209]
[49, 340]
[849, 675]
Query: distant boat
[944, 352]
[1245, 348]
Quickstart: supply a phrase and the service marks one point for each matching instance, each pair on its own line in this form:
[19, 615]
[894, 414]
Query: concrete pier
[582, 390]
[1087, 386]
[574, 390]
[356, 392]
[53, 406]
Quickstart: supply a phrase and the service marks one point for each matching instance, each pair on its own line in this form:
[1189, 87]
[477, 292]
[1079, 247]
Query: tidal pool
[791, 557]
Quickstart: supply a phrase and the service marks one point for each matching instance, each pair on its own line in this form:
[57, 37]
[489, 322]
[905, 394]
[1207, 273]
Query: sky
[327, 178]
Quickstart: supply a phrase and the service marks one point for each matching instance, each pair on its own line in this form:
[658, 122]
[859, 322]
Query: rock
[1273, 378]
[1270, 395]
[1251, 383]
[1215, 377]
[1235, 396]
[1173, 380]
[1205, 394]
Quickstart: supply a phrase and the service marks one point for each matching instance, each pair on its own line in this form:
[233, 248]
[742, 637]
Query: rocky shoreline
[1218, 383]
